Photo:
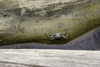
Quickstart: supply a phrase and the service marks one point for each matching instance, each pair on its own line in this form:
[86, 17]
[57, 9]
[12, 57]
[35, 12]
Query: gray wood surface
[49, 58]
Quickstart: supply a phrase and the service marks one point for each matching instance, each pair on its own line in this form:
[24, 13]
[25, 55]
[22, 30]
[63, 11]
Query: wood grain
[49, 58]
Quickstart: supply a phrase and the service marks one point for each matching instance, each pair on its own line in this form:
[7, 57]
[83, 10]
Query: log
[49, 58]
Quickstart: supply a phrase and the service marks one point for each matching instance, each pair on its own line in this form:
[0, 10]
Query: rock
[29, 20]
[88, 41]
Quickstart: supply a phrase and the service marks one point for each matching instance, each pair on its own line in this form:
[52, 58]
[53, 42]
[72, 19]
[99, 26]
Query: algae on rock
[24, 21]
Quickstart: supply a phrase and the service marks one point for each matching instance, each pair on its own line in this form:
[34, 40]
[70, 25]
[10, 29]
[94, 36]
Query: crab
[57, 36]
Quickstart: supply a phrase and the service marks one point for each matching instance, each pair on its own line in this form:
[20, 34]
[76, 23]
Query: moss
[76, 31]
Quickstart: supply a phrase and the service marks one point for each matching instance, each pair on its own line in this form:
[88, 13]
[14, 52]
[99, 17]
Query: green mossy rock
[29, 20]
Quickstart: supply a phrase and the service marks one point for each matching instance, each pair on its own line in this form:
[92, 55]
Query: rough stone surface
[88, 41]
[29, 20]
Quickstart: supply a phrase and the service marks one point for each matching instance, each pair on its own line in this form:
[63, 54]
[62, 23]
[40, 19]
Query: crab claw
[47, 35]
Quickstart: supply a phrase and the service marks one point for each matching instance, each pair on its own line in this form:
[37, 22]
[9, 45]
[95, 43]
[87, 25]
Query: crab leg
[51, 33]
[63, 37]
[51, 37]
[47, 36]
[64, 33]
[67, 35]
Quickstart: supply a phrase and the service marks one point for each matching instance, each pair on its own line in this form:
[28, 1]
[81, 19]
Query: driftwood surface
[49, 58]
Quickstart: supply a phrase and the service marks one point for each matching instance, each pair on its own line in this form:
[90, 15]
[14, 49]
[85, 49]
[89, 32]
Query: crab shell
[58, 36]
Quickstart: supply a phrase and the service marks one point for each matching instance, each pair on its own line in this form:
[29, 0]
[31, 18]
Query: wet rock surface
[25, 21]
[88, 41]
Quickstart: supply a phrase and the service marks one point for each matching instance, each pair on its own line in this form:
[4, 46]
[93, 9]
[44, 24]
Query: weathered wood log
[49, 58]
